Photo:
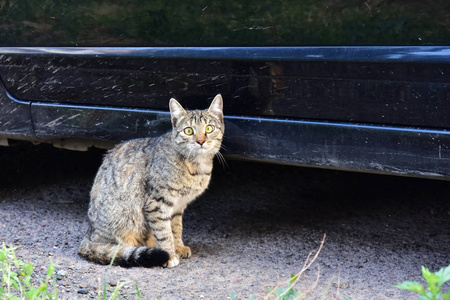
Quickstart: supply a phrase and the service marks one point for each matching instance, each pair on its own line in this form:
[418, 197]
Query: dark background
[223, 23]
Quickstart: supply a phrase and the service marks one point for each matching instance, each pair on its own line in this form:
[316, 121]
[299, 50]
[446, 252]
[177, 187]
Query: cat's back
[138, 152]
[126, 166]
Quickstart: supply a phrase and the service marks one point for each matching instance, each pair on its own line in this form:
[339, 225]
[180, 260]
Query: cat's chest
[186, 190]
[192, 186]
[193, 179]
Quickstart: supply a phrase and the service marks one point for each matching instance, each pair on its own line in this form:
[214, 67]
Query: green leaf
[429, 276]
[40, 290]
[30, 292]
[279, 292]
[50, 271]
[2, 255]
[286, 293]
[15, 282]
[412, 286]
[28, 268]
[13, 274]
[444, 275]
[432, 280]
[294, 278]
[138, 291]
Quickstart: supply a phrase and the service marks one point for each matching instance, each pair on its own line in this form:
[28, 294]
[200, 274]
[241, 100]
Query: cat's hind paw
[183, 251]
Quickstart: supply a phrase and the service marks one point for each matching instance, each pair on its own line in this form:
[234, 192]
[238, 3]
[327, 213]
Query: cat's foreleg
[177, 231]
[162, 230]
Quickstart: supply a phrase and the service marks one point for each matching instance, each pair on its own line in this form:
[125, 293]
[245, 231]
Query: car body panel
[403, 150]
[353, 147]
[15, 117]
[401, 86]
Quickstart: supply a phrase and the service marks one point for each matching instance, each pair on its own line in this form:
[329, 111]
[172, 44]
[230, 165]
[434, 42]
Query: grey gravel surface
[253, 227]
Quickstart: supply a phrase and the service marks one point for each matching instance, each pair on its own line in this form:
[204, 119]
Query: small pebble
[83, 291]
[61, 274]
[112, 283]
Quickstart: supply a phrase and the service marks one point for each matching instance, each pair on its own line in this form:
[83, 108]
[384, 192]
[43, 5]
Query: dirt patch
[254, 227]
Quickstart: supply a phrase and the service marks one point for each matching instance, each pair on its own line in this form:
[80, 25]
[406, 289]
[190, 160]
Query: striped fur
[143, 187]
[125, 256]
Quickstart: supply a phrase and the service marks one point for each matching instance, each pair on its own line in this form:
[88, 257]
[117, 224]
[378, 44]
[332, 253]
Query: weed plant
[435, 281]
[17, 281]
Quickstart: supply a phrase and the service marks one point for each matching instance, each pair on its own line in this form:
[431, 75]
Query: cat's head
[197, 132]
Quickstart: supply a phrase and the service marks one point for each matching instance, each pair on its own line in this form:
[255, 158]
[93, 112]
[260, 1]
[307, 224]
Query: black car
[350, 85]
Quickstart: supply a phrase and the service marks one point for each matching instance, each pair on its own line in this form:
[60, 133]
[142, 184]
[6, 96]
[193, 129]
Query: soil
[254, 226]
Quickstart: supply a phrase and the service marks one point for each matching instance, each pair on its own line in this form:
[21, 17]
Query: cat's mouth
[205, 148]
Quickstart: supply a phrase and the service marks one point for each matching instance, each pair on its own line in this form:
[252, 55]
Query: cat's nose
[200, 142]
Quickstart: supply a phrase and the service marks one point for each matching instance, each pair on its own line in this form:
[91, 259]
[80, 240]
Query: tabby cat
[143, 187]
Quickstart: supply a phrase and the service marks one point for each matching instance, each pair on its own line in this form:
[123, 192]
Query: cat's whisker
[223, 147]
[189, 154]
[221, 159]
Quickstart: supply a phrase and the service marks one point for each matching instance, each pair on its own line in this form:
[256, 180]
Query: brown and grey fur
[143, 187]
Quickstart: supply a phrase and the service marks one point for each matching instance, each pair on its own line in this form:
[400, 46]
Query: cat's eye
[209, 128]
[188, 131]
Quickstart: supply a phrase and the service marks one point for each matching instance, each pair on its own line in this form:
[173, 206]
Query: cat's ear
[216, 107]
[176, 111]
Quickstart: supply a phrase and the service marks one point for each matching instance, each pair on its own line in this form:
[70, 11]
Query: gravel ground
[253, 228]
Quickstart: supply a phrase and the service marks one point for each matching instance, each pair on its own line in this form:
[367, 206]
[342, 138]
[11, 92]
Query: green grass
[18, 281]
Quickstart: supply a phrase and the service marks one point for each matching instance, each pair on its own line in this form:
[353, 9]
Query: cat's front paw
[172, 262]
[183, 251]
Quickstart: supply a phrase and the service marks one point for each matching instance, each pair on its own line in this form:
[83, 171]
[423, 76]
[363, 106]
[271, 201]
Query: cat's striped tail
[125, 256]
